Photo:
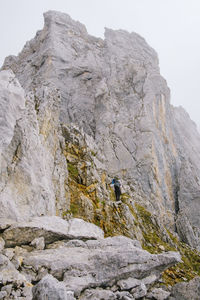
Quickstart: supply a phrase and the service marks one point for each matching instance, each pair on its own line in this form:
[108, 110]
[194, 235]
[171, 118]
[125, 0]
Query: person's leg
[117, 193]
[118, 196]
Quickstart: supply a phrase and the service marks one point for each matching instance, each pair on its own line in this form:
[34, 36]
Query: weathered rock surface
[187, 290]
[8, 271]
[33, 170]
[12, 282]
[75, 111]
[86, 266]
[80, 268]
[78, 263]
[38, 243]
[51, 289]
[113, 90]
[158, 294]
[98, 294]
[51, 229]
[12, 105]
[2, 244]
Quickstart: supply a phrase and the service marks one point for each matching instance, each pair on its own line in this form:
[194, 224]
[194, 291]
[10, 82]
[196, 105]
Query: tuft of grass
[93, 153]
[73, 171]
[112, 219]
[74, 209]
[153, 239]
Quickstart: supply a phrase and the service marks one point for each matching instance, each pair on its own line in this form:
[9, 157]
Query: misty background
[171, 27]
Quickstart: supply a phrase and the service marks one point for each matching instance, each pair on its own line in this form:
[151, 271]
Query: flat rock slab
[52, 229]
[80, 268]
[5, 223]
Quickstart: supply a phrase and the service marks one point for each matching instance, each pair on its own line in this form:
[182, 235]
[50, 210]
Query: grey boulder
[8, 272]
[50, 288]
[96, 294]
[187, 290]
[51, 229]
[38, 243]
[158, 294]
[81, 269]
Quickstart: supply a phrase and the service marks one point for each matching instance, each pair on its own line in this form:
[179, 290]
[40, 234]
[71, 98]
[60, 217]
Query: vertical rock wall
[33, 170]
[113, 91]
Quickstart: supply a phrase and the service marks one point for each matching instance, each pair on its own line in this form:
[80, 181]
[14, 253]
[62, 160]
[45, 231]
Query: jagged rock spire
[113, 90]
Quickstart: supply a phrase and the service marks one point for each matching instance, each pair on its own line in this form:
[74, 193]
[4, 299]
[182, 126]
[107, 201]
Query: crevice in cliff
[10, 169]
[176, 200]
[114, 149]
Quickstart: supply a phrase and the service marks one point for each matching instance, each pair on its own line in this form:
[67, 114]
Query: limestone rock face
[12, 105]
[75, 111]
[188, 192]
[113, 91]
[33, 170]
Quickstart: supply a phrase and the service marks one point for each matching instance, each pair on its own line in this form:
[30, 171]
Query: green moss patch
[154, 243]
[73, 171]
[112, 218]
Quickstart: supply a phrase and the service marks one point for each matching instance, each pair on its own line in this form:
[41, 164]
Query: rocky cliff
[77, 110]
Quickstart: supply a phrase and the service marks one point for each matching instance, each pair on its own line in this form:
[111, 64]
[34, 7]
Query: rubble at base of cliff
[50, 257]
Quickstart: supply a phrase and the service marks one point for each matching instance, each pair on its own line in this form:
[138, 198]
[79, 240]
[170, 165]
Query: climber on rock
[117, 189]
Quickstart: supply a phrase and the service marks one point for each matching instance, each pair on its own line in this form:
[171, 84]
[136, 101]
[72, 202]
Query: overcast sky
[171, 27]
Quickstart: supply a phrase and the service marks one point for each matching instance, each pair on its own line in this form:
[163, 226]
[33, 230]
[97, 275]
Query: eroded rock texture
[75, 111]
[113, 90]
[77, 262]
[33, 169]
